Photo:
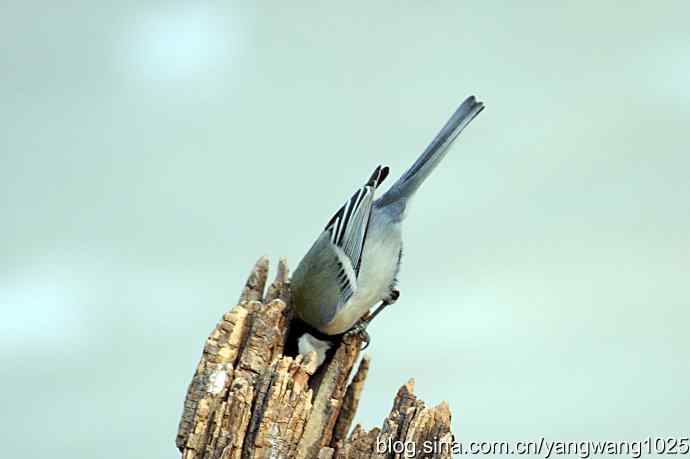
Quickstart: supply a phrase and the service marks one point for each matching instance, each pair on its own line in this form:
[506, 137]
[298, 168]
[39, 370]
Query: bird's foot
[360, 329]
[392, 297]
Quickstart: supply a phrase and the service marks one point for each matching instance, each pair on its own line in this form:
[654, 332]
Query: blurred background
[152, 151]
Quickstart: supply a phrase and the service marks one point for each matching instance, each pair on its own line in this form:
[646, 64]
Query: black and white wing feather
[348, 227]
[326, 277]
[347, 231]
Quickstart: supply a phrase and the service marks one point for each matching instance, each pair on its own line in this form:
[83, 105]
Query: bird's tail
[410, 181]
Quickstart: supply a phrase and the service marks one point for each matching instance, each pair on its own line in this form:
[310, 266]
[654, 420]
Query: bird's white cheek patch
[307, 343]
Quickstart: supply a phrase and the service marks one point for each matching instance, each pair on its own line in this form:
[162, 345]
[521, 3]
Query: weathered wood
[247, 400]
[254, 287]
[280, 287]
[328, 399]
[350, 402]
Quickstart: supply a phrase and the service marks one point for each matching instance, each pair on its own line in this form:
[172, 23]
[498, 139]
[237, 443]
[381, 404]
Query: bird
[354, 262]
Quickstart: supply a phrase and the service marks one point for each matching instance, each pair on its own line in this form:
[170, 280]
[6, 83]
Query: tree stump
[249, 400]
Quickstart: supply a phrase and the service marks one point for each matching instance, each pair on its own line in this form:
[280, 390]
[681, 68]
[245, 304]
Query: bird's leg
[360, 327]
[392, 298]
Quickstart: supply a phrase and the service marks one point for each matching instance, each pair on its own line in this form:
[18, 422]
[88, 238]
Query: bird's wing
[326, 277]
[345, 275]
[323, 284]
[348, 227]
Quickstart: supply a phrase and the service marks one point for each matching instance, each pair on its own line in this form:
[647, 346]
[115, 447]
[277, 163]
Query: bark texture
[248, 400]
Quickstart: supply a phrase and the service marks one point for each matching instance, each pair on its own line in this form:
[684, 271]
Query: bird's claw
[366, 339]
[392, 297]
[360, 329]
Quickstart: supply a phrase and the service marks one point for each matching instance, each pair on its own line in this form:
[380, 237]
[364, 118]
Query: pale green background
[151, 152]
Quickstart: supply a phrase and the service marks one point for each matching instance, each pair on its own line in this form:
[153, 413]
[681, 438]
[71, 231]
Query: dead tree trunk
[248, 400]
